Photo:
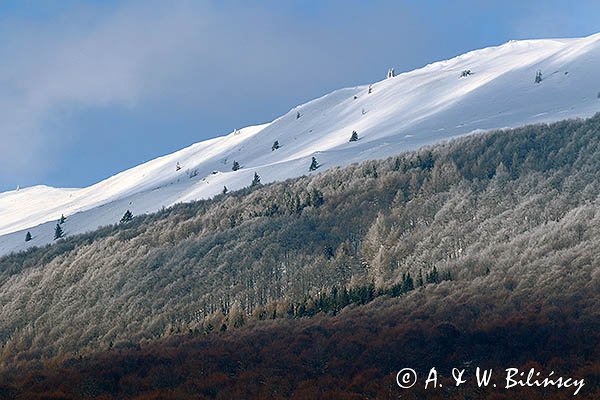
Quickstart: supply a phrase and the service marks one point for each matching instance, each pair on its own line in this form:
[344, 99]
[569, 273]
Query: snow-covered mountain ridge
[405, 112]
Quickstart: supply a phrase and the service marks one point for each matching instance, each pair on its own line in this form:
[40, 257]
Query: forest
[479, 251]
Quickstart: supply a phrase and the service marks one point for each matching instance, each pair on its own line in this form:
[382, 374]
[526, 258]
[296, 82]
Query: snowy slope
[402, 113]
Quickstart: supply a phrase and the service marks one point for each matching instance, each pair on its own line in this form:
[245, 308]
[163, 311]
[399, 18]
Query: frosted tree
[275, 145]
[370, 89]
[353, 137]
[538, 77]
[62, 219]
[256, 180]
[390, 73]
[313, 164]
[128, 216]
[58, 232]
[235, 166]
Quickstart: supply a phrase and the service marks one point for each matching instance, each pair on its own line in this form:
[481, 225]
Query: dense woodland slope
[484, 249]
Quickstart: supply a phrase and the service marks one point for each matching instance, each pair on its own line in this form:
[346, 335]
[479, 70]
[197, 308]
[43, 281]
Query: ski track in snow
[403, 113]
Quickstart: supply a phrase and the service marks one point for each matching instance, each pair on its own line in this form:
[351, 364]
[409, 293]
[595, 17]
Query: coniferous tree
[128, 216]
[275, 145]
[256, 180]
[344, 297]
[235, 166]
[298, 115]
[433, 276]
[28, 237]
[62, 219]
[354, 137]
[301, 310]
[420, 281]
[447, 276]
[313, 164]
[58, 232]
[225, 190]
[396, 290]
[408, 284]
[538, 77]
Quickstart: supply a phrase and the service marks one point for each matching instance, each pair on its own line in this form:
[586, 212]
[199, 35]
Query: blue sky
[88, 89]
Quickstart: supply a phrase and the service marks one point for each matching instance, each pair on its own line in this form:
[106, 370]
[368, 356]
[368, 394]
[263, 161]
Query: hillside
[402, 113]
[505, 219]
[477, 252]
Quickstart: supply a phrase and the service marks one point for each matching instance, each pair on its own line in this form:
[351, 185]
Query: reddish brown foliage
[354, 355]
